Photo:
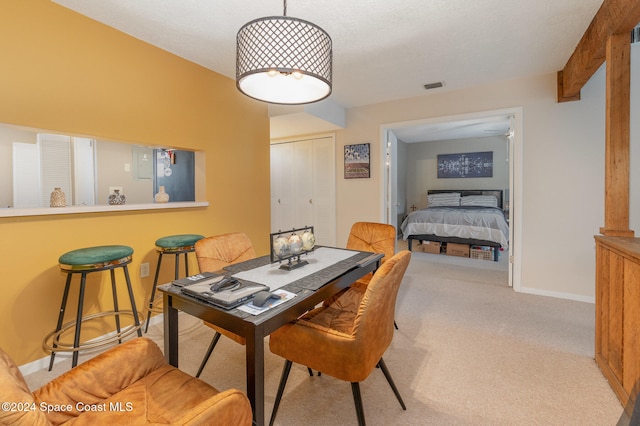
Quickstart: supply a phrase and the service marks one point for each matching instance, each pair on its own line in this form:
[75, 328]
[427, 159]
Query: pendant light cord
[285, 7]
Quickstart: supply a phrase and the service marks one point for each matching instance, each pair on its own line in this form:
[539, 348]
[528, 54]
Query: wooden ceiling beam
[613, 17]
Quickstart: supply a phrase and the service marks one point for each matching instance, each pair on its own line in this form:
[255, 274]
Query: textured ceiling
[383, 50]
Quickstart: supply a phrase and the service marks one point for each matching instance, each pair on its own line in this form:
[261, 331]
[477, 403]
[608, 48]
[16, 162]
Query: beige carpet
[469, 351]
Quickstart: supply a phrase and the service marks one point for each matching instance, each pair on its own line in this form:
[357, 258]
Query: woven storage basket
[481, 252]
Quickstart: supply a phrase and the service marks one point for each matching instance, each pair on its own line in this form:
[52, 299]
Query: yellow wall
[64, 72]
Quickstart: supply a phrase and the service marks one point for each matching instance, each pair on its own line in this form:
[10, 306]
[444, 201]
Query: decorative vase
[116, 198]
[57, 198]
[162, 196]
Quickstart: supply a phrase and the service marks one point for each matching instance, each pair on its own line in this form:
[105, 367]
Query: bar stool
[85, 261]
[175, 245]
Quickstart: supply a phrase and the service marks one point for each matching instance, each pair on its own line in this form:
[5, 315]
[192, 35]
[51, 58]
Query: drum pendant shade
[283, 60]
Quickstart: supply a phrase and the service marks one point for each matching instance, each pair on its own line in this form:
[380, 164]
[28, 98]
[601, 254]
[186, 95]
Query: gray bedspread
[478, 223]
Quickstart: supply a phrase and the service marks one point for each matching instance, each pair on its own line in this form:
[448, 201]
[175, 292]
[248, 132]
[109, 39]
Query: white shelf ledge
[44, 211]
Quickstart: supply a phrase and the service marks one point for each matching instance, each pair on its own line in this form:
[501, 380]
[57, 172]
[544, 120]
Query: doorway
[460, 126]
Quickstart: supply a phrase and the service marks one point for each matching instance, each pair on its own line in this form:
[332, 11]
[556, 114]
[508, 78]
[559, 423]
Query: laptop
[224, 292]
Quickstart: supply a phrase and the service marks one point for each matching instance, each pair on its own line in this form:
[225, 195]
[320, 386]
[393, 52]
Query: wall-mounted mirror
[88, 170]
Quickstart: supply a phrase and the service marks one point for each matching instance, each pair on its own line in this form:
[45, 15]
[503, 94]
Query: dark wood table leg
[255, 376]
[170, 331]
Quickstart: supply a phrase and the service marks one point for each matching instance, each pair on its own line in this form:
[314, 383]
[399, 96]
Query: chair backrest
[374, 237]
[373, 325]
[216, 252]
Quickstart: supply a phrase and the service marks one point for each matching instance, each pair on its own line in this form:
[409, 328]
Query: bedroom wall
[421, 165]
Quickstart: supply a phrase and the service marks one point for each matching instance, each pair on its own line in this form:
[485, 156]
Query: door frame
[388, 168]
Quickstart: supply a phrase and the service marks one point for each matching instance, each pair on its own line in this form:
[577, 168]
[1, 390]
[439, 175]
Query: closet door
[303, 183]
[303, 187]
[282, 208]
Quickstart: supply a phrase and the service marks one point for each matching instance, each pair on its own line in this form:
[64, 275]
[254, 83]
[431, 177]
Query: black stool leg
[177, 266]
[186, 264]
[283, 383]
[115, 301]
[153, 291]
[61, 316]
[76, 340]
[134, 310]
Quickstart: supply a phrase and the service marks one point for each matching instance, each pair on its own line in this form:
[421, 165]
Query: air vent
[433, 85]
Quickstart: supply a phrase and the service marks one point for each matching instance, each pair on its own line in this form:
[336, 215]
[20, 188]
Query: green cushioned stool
[84, 261]
[175, 245]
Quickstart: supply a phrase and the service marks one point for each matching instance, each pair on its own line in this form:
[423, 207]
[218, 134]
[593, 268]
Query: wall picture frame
[465, 165]
[357, 161]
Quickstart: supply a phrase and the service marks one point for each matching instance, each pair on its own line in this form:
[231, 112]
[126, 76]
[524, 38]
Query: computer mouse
[262, 297]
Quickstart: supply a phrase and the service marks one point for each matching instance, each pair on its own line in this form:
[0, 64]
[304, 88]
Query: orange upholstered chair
[129, 384]
[370, 236]
[213, 254]
[349, 337]
[374, 237]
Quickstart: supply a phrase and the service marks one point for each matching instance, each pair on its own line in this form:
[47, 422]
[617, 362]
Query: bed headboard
[498, 193]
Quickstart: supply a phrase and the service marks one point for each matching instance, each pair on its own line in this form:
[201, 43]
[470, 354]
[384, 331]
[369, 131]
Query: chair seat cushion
[91, 256]
[178, 241]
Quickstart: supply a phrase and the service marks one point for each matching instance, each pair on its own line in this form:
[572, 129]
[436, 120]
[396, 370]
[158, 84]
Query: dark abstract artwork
[468, 165]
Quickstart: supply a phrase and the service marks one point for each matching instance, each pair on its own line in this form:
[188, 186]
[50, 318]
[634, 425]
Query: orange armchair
[129, 384]
[353, 333]
[213, 254]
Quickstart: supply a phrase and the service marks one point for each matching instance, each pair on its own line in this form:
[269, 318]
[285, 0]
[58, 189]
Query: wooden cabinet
[303, 187]
[618, 314]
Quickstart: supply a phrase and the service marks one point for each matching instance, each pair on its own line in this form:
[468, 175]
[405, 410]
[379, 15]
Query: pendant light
[283, 60]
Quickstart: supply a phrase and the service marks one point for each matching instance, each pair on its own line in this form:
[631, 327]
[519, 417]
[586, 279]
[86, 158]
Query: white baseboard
[43, 363]
[559, 295]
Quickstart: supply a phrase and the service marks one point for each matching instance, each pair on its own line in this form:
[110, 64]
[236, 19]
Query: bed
[473, 217]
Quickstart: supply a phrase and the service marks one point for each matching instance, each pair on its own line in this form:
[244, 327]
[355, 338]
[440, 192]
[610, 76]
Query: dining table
[327, 271]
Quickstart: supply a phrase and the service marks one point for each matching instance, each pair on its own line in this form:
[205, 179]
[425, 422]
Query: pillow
[479, 201]
[443, 199]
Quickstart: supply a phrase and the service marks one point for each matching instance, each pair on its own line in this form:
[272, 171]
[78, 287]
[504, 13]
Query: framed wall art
[467, 165]
[357, 161]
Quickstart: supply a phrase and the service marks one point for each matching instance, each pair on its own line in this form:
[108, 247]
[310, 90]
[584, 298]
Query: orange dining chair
[374, 237]
[353, 332]
[213, 254]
